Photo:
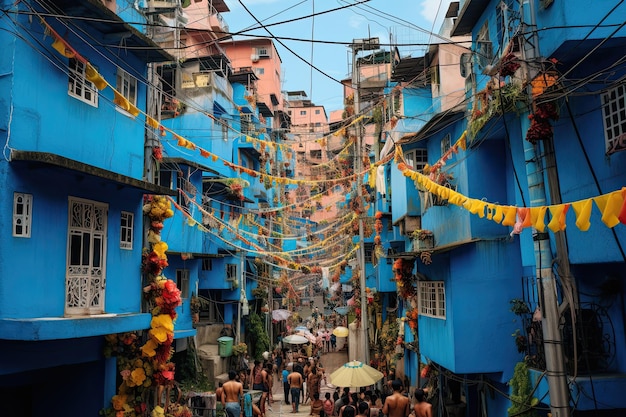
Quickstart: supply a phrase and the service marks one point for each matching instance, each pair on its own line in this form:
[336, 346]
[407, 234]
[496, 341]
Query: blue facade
[74, 161]
[481, 265]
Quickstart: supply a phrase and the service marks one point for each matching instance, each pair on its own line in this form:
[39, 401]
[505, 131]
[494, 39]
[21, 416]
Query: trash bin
[225, 346]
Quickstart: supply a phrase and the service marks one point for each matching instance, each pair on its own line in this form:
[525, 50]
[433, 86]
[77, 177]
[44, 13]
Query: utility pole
[556, 373]
[356, 46]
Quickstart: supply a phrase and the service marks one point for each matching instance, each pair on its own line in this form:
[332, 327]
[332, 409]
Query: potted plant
[422, 239]
[196, 304]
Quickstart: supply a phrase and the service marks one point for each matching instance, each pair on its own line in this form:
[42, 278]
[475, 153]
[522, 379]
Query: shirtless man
[422, 408]
[295, 385]
[396, 405]
[232, 394]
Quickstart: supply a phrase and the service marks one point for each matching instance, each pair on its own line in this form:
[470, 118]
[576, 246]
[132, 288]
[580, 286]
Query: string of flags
[612, 206]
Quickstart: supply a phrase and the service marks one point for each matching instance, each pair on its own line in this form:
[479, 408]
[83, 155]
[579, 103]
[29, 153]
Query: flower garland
[403, 274]
[148, 366]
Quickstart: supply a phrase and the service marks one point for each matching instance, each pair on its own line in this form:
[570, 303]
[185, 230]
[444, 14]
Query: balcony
[218, 24]
[163, 4]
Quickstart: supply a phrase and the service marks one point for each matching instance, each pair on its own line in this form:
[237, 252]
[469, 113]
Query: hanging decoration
[403, 275]
[611, 205]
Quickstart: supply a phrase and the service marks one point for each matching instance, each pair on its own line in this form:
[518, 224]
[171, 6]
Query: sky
[404, 21]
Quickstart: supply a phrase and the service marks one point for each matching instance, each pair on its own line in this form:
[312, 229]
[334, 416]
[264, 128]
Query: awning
[115, 33]
[45, 159]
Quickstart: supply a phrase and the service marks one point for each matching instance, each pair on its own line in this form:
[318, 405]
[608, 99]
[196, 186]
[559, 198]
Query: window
[182, 282]
[315, 154]
[231, 273]
[259, 71]
[127, 86]
[432, 299]
[504, 22]
[85, 278]
[247, 126]
[416, 158]
[317, 111]
[302, 112]
[224, 125]
[445, 144]
[126, 230]
[368, 251]
[484, 50]
[614, 116]
[22, 209]
[262, 52]
[79, 87]
[207, 264]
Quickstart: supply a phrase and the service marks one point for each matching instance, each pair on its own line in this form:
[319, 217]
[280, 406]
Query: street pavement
[331, 362]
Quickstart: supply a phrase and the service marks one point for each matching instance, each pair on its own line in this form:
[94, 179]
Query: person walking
[285, 374]
[422, 408]
[295, 385]
[396, 405]
[232, 393]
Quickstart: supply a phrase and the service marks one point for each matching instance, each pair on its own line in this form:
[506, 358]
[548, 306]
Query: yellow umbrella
[355, 374]
[341, 331]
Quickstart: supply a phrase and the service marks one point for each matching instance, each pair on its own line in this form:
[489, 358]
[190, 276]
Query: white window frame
[263, 52]
[446, 144]
[182, 282]
[259, 71]
[432, 299]
[22, 214]
[484, 47]
[416, 158]
[231, 272]
[127, 86]
[614, 106]
[126, 230]
[79, 86]
[85, 277]
[302, 112]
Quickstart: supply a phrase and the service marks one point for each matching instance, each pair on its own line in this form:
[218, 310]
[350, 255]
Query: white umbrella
[295, 339]
[280, 314]
[355, 374]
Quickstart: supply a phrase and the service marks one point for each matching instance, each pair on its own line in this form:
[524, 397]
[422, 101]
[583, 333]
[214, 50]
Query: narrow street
[331, 362]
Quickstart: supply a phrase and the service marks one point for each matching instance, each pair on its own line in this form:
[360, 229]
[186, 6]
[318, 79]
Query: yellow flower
[118, 402]
[159, 334]
[158, 411]
[149, 348]
[160, 248]
[163, 320]
[138, 376]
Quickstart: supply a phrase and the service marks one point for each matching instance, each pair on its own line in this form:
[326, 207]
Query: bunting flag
[612, 206]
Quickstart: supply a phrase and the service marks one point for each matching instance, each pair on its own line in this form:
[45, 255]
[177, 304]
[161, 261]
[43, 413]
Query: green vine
[259, 338]
[522, 402]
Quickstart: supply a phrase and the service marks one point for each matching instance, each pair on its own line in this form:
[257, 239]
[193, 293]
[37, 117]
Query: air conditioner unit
[254, 58]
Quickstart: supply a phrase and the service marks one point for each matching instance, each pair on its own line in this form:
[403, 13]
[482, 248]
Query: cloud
[356, 21]
[434, 9]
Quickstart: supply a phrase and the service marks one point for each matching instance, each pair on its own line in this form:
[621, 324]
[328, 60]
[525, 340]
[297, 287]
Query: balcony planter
[423, 240]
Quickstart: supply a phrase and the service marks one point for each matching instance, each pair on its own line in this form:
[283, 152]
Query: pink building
[259, 58]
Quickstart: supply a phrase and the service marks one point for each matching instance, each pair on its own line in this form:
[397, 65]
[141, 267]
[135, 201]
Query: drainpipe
[556, 373]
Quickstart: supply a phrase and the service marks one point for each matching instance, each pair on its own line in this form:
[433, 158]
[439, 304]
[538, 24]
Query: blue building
[504, 281]
[74, 176]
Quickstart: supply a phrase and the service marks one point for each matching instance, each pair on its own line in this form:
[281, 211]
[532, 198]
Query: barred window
[614, 117]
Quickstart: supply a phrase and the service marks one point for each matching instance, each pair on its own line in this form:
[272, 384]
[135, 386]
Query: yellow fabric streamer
[510, 212]
[462, 142]
[61, 48]
[152, 122]
[371, 181]
[92, 75]
[610, 205]
[538, 217]
[582, 209]
[558, 212]
[499, 214]
[121, 101]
